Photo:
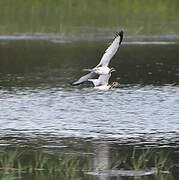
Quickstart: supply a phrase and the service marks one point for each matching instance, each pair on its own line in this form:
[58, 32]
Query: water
[39, 109]
[121, 114]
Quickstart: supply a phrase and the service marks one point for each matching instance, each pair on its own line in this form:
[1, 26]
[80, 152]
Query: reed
[65, 165]
[73, 165]
[137, 159]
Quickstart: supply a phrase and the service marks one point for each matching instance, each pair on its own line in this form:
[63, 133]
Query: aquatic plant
[8, 160]
[65, 165]
[141, 161]
[137, 159]
[163, 164]
[73, 165]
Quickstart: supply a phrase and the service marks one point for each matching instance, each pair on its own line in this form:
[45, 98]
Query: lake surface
[39, 109]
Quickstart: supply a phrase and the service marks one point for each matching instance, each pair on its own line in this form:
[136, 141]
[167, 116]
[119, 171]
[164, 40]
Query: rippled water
[121, 114]
[38, 102]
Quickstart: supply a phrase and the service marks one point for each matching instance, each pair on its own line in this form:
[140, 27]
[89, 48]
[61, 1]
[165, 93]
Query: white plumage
[111, 50]
[102, 68]
[106, 86]
[102, 80]
[103, 87]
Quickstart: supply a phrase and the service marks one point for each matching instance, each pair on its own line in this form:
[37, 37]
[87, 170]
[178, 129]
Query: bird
[102, 68]
[102, 83]
[99, 70]
[102, 79]
[106, 87]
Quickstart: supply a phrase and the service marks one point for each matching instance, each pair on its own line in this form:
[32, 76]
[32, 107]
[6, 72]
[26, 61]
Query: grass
[72, 166]
[137, 159]
[67, 166]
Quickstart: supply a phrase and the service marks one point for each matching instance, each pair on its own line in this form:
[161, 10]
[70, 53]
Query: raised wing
[111, 50]
[104, 79]
[85, 78]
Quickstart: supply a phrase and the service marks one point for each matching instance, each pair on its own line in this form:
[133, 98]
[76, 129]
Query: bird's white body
[102, 80]
[95, 82]
[102, 70]
[103, 87]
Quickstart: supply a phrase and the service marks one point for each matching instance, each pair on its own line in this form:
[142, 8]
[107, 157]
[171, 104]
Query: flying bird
[102, 79]
[107, 86]
[102, 83]
[102, 68]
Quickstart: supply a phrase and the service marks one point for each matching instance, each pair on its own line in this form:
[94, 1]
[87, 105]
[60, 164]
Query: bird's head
[112, 70]
[114, 84]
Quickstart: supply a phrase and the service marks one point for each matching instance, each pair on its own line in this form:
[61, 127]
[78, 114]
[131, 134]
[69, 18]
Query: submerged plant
[73, 165]
[8, 161]
[65, 165]
[141, 161]
[137, 159]
[163, 164]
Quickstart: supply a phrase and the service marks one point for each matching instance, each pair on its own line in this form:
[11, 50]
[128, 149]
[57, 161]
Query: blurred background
[101, 17]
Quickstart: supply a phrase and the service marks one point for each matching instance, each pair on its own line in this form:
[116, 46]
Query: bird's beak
[114, 84]
[112, 70]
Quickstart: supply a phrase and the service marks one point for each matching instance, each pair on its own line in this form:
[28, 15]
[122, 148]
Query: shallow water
[40, 109]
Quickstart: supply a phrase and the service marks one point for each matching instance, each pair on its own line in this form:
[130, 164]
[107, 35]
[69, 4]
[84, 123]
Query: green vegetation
[72, 165]
[144, 159]
[66, 166]
[84, 16]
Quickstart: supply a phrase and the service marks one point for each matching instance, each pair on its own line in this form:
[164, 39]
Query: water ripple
[150, 113]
